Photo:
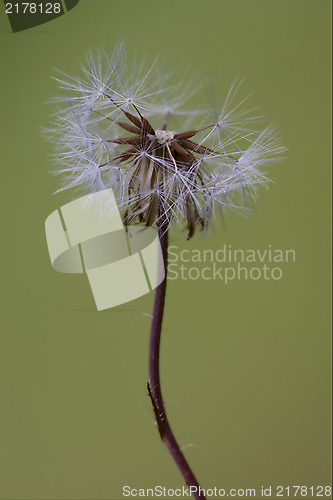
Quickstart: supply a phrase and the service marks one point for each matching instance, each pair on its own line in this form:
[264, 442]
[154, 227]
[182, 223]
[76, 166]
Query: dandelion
[122, 127]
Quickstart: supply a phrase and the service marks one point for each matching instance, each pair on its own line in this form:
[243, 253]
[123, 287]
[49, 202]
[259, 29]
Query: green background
[245, 366]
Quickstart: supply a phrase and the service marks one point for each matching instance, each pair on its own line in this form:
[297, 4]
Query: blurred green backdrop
[245, 366]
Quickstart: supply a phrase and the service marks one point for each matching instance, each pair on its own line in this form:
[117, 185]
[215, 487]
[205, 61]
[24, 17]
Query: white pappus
[116, 127]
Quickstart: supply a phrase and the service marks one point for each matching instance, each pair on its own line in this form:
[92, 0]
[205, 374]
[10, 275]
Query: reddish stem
[154, 385]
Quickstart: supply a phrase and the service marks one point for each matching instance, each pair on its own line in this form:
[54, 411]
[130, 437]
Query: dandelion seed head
[111, 129]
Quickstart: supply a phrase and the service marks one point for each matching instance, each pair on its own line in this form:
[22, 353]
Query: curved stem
[154, 386]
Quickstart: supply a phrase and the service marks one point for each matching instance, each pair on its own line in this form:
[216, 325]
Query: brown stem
[154, 386]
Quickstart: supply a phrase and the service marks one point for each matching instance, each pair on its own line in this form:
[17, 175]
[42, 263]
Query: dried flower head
[114, 129]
